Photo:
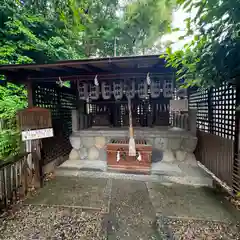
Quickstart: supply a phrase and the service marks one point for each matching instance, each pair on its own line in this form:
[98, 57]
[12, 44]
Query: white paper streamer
[139, 158]
[118, 156]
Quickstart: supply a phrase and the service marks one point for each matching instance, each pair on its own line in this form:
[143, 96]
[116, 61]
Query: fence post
[210, 110]
[236, 157]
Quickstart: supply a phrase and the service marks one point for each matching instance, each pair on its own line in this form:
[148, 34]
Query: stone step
[163, 177]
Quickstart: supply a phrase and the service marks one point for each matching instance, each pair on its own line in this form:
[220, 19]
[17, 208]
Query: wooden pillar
[35, 158]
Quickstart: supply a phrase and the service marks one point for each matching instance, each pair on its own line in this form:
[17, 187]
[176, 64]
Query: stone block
[93, 153]
[83, 153]
[74, 155]
[174, 143]
[168, 156]
[102, 154]
[75, 142]
[189, 144]
[88, 142]
[181, 155]
[161, 143]
[100, 142]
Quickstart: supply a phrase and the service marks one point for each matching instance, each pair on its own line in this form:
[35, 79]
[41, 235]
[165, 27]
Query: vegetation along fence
[217, 132]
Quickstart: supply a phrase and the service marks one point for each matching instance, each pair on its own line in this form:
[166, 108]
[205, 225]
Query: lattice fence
[216, 117]
[60, 101]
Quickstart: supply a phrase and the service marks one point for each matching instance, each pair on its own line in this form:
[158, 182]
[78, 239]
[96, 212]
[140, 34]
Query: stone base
[169, 145]
[84, 165]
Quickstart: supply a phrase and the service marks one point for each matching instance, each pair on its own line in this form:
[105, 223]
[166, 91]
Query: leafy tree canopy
[213, 56]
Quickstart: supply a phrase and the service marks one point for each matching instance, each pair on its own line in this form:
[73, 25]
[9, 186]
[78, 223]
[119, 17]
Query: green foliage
[12, 98]
[44, 31]
[144, 22]
[213, 56]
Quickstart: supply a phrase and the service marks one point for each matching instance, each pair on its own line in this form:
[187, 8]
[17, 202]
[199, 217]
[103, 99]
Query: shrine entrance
[89, 104]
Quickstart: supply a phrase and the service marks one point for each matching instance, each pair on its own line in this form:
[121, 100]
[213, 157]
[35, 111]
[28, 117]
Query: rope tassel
[132, 145]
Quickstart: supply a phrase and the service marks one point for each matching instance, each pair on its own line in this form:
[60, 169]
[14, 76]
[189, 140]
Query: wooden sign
[34, 118]
[37, 134]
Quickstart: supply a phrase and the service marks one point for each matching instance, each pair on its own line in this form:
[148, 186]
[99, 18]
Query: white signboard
[37, 134]
[179, 105]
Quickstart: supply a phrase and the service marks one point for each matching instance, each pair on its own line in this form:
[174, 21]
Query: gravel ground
[181, 229]
[35, 222]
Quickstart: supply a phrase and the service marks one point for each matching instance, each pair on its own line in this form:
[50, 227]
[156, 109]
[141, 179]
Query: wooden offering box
[118, 156]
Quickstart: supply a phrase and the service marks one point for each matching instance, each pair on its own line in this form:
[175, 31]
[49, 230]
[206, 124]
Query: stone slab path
[100, 208]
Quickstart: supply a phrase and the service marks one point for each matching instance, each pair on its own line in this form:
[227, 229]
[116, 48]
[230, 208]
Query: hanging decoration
[96, 83]
[60, 82]
[139, 157]
[131, 144]
[155, 88]
[106, 90]
[118, 90]
[168, 88]
[148, 79]
[83, 91]
[129, 89]
[142, 89]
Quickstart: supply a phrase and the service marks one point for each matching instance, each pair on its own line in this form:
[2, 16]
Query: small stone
[100, 142]
[75, 142]
[93, 153]
[83, 153]
[168, 156]
[181, 155]
[74, 155]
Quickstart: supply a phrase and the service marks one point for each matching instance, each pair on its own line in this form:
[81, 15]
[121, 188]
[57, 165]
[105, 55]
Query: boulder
[83, 153]
[75, 142]
[161, 143]
[181, 155]
[189, 144]
[93, 153]
[168, 156]
[74, 155]
[100, 142]
[88, 142]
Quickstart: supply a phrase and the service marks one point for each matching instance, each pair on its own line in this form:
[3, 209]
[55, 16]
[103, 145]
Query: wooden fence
[15, 180]
[217, 132]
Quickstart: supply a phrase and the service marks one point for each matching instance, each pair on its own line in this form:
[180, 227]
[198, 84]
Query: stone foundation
[169, 145]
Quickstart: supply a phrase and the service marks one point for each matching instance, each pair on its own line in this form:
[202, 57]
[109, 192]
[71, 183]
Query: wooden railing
[14, 180]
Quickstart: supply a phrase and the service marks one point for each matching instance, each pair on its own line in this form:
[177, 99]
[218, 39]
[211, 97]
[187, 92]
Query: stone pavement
[111, 208]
